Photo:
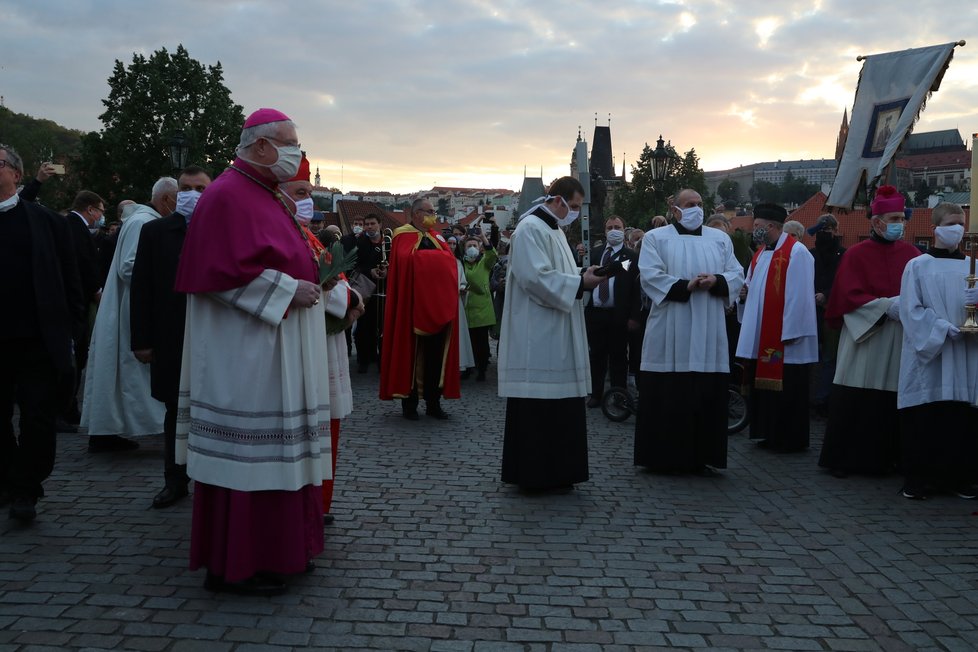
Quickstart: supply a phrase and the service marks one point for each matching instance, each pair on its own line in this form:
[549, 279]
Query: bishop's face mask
[304, 210]
[894, 231]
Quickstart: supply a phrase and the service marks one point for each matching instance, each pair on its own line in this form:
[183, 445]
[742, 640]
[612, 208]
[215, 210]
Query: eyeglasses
[427, 211]
[6, 164]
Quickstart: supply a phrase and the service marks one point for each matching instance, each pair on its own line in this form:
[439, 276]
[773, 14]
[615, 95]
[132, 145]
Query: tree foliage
[729, 190]
[149, 101]
[642, 197]
[792, 190]
[38, 140]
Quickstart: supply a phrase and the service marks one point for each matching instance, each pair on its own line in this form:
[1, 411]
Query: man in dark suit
[43, 312]
[85, 211]
[156, 318]
[612, 311]
[370, 326]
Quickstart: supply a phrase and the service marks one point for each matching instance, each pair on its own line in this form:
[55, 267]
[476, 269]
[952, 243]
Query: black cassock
[545, 442]
[863, 431]
[682, 421]
[781, 418]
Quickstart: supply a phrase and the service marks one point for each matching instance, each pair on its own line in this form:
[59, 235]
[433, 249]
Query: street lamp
[179, 150]
[660, 161]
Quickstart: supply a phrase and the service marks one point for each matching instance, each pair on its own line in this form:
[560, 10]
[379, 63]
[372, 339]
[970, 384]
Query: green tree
[922, 192]
[642, 197]
[729, 190]
[37, 140]
[796, 190]
[765, 191]
[149, 101]
[443, 205]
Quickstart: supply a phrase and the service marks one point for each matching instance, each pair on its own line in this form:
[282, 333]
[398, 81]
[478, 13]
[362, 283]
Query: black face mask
[824, 240]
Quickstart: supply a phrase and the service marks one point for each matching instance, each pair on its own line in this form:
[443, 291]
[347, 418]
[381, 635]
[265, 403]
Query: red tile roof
[349, 209]
[951, 160]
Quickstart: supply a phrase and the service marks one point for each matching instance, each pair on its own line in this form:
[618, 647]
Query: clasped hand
[702, 282]
[306, 294]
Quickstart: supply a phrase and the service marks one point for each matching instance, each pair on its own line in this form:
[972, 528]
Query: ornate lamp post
[179, 151]
[664, 163]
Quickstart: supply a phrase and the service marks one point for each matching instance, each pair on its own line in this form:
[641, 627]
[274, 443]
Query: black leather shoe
[437, 413]
[110, 443]
[410, 415]
[328, 520]
[23, 509]
[60, 425]
[593, 402]
[170, 495]
[261, 585]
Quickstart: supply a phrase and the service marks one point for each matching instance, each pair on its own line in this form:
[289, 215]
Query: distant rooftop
[933, 140]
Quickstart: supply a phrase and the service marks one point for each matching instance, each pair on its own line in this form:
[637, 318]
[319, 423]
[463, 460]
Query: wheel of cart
[618, 404]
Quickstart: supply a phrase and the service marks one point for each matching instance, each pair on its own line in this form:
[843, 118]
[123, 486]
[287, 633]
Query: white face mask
[9, 203]
[303, 210]
[357, 229]
[692, 218]
[571, 217]
[187, 201]
[615, 237]
[289, 158]
[471, 253]
[949, 237]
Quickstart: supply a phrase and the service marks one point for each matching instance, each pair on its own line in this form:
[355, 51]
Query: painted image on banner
[884, 121]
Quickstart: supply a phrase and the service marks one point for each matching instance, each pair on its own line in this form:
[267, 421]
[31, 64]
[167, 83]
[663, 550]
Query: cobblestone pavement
[431, 552]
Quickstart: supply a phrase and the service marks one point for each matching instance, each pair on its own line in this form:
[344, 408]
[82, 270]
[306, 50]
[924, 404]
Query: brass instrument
[381, 291]
[970, 324]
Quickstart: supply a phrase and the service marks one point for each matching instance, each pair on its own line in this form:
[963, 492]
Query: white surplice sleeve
[864, 321]
[532, 267]
[799, 298]
[922, 328]
[656, 281]
[733, 272]
[267, 297]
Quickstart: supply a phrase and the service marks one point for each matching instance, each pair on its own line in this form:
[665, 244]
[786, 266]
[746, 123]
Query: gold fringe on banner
[769, 384]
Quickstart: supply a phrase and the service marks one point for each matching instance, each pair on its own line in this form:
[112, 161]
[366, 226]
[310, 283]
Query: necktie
[604, 292]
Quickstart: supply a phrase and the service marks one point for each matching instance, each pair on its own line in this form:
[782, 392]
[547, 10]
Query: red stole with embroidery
[770, 351]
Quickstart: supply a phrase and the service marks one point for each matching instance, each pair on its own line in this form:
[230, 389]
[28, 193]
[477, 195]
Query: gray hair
[164, 186]
[13, 158]
[250, 135]
[718, 217]
[944, 209]
[795, 228]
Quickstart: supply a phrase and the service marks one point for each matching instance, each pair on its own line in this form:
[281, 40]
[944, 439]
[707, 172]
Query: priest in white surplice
[938, 390]
[118, 399]
[862, 434]
[253, 420]
[543, 357]
[691, 275]
[779, 332]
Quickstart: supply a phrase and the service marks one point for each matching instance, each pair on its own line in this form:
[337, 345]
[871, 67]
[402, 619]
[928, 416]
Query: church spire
[317, 176]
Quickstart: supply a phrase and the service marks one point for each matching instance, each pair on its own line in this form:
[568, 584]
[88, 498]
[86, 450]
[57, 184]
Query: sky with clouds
[402, 95]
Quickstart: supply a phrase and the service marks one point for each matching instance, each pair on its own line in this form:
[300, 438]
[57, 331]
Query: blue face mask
[894, 231]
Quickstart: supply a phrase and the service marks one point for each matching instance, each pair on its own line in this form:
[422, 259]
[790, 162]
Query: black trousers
[174, 474]
[480, 346]
[607, 341]
[431, 349]
[29, 378]
[366, 334]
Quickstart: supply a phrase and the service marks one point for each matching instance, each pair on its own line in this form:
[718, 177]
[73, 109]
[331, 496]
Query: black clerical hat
[771, 212]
